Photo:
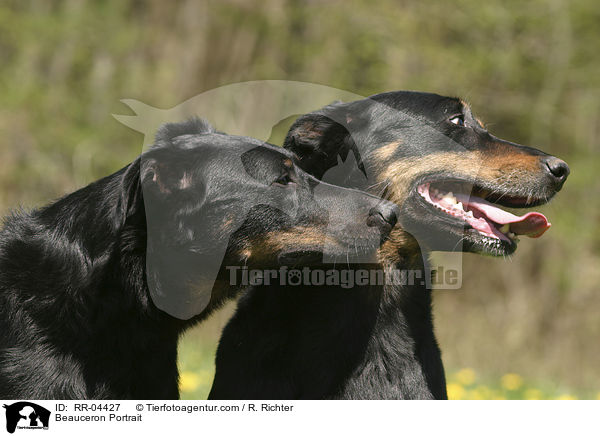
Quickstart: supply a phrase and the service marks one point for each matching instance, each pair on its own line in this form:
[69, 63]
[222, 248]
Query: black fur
[76, 313]
[322, 342]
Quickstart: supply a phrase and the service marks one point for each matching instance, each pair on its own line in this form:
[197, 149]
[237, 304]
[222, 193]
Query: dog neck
[372, 341]
[402, 359]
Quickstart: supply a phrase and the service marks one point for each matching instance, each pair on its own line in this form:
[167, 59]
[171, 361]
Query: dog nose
[384, 216]
[557, 168]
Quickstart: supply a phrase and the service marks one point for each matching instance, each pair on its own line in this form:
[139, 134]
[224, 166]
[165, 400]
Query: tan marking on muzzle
[298, 239]
[506, 160]
[500, 168]
[305, 236]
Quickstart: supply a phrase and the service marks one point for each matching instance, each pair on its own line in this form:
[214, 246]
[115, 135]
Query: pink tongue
[532, 224]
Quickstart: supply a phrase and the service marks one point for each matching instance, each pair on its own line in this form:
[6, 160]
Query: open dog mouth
[470, 204]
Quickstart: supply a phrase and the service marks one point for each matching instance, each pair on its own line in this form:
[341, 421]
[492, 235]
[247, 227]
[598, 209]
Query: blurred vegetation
[530, 69]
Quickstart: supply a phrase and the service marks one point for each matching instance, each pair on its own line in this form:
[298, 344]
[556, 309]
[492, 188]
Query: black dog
[437, 162]
[83, 280]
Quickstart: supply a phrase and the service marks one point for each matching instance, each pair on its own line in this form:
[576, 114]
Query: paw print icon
[294, 277]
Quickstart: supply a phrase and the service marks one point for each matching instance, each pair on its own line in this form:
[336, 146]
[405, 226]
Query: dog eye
[459, 120]
[284, 180]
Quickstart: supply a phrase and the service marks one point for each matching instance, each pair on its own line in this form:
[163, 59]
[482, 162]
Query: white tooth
[505, 228]
[459, 205]
[470, 214]
[511, 235]
[448, 196]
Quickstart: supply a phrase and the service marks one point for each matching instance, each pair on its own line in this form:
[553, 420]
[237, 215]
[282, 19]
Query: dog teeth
[449, 197]
[447, 202]
[505, 228]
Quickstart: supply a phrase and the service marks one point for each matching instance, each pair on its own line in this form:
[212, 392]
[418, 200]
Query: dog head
[214, 200]
[432, 157]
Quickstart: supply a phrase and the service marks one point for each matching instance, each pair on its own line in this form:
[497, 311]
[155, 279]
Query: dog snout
[557, 169]
[383, 216]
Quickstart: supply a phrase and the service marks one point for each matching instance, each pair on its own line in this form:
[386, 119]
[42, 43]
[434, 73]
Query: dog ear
[179, 279]
[163, 172]
[147, 182]
[318, 138]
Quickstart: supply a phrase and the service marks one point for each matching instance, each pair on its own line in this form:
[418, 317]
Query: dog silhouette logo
[26, 415]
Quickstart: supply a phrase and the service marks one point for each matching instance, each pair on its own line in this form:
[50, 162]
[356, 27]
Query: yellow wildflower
[455, 391]
[188, 381]
[511, 382]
